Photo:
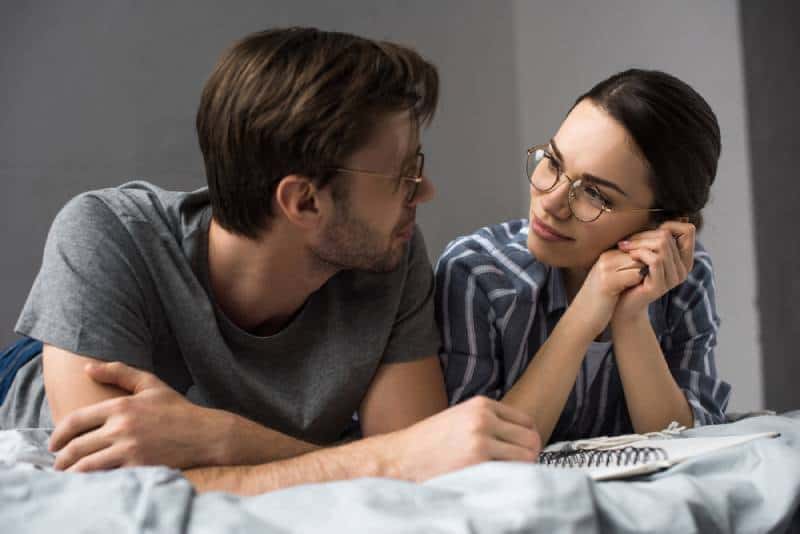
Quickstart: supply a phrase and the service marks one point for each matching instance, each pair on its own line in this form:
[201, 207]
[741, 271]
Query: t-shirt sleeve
[414, 333]
[88, 296]
[689, 347]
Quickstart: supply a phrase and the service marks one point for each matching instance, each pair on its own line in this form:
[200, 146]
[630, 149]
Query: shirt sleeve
[689, 347]
[414, 334]
[470, 352]
[87, 297]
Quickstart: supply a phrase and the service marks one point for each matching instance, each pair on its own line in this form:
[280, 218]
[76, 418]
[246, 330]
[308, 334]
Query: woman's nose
[556, 201]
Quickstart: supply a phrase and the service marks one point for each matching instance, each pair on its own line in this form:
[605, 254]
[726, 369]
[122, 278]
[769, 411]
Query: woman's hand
[613, 273]
[668, 253]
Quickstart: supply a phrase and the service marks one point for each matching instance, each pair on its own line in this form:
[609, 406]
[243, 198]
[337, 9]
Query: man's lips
[547, 232]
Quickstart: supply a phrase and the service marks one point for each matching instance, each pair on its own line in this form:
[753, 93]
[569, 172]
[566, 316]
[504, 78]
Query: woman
[596, 314]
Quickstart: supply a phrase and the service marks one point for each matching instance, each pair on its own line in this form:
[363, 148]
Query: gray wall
[772, 45]
[98, 92]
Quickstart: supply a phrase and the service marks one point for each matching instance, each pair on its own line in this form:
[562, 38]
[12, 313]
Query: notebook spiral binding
[602, 458]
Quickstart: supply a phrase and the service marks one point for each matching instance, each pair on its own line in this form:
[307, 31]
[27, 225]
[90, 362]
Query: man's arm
[67, 385]
[111, 415]
[402, 394]
[115, 416]
[475, 431]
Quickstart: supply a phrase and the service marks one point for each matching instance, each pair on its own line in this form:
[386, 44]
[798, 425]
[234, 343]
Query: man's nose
[425, 192]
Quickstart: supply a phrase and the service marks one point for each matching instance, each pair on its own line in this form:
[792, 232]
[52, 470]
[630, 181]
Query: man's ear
[299, 200]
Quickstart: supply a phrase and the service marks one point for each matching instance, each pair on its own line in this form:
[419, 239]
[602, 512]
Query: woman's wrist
[582, 322]
[629, 321]
[591, 313]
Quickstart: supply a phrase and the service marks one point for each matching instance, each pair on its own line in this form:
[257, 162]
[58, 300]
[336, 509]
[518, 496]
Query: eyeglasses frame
[416, 180]
[573, 183]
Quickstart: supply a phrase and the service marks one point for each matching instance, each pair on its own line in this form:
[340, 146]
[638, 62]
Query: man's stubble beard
[349, 243]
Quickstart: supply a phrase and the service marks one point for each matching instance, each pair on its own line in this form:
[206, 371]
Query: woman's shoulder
[491, 244]
[696, 294]
[702, 267]
[499, 250]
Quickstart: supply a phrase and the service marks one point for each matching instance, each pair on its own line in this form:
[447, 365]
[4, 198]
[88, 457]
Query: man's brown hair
[298, 101]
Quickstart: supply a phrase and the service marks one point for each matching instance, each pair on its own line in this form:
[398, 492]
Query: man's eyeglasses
[411, 181]
[586, 202]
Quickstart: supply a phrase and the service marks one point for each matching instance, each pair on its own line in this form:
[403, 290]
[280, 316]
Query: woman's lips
[545, 232]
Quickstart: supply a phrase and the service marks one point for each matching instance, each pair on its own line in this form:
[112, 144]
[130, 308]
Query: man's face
[372, 219]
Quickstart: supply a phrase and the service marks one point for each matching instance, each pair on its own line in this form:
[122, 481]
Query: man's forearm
[354, 460]
[246, 442]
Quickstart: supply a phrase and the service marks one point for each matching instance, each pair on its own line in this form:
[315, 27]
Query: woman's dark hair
[676, 131]
[299, 101]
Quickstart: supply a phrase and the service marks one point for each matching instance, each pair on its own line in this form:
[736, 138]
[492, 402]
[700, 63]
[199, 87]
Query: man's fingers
[508, 452]
[519, 435]
[79, 422]
[79, 448]
[121, 375]
[109, 458]
[511, 414]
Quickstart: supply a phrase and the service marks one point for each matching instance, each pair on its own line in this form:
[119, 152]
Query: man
[258, 315]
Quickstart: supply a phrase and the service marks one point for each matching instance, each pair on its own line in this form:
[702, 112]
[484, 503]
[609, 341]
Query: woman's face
[593, 147]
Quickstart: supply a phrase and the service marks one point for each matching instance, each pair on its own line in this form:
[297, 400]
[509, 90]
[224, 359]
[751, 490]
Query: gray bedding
[754, 487]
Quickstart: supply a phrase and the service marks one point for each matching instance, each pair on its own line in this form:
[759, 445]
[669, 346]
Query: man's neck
[261, 284]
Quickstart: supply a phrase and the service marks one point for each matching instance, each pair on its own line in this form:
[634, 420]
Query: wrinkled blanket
[753, 487]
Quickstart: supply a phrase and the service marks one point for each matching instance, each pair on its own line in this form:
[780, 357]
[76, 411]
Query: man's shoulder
[137, 200]
[132, 209]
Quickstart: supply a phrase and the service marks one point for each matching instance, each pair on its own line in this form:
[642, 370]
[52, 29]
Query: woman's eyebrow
[591, 177]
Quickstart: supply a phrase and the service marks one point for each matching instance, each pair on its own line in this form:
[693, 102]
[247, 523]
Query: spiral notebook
[617, 458]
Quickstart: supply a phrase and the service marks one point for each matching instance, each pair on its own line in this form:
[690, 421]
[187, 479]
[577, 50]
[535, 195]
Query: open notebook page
[676, 450]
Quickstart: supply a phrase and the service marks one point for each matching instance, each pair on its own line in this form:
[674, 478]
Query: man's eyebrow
[586, 176]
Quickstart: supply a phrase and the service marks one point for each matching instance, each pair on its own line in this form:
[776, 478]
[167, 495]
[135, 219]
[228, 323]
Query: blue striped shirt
[496, 305]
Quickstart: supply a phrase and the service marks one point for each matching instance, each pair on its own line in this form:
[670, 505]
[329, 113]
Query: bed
[753, 487]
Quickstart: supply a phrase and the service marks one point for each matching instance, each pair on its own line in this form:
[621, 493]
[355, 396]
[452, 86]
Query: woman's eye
[553, 165]
[595, 194]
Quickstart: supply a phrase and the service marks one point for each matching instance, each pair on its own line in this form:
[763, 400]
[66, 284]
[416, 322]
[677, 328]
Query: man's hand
[475, 431]
[155, 425]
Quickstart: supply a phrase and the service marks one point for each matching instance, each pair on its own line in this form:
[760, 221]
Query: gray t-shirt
[124, 278]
